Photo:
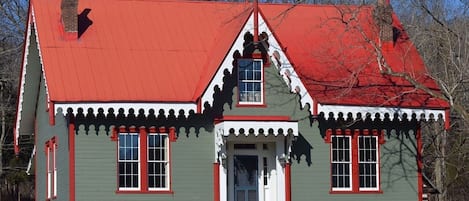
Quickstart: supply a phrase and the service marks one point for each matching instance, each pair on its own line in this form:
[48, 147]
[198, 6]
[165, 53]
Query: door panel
[246, 177]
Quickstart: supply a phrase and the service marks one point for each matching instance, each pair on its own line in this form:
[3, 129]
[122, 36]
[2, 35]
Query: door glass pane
[245, 177]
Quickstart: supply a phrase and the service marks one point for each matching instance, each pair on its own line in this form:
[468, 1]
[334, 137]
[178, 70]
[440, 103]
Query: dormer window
[250, 82]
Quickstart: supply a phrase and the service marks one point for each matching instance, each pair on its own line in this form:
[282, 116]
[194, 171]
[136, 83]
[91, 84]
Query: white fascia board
[31, 158]
[224, 127]
[19, 108]
[186, 107]
[354, 110]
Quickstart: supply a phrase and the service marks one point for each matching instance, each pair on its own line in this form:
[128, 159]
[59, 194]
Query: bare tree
[12, 26]
[439, 30]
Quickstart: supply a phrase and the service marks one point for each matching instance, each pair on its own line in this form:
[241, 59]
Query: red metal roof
[142, 51]
[339, 67]
[167, 51]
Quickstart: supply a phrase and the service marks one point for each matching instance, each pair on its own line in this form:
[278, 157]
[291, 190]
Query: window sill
[251, 105]
[145, 192]
[356, 192]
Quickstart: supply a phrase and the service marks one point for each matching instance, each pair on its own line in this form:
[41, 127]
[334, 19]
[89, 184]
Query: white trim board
[186, 107]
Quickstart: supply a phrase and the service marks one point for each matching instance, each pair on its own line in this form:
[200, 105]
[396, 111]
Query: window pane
[368, 164]
[256, 86]
[341, 163]
[121, 181]
[121, 153]
[257, 65]
[242, 75]
[128, 160]
[249, 75]
[257, 75]
[347, 155]
[249, 80]
[157, 161]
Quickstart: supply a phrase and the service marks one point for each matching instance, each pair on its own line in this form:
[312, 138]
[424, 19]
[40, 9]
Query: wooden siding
[96, 168]
[45, 132]
[310, 168]
[398, 171]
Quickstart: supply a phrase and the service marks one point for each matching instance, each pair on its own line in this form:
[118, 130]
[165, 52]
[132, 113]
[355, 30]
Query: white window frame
[165, 162]
[51, 167]
[243, 97]
[349, 162]
[138, 187]
[369, 160]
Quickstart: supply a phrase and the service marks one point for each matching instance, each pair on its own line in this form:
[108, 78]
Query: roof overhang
[127, 108]
[421, 113]
[257, 128]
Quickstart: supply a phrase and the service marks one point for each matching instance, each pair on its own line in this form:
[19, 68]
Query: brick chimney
[383, 17]
[69, 15]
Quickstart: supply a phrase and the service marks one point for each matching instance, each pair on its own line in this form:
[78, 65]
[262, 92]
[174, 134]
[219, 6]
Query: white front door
[252, 174]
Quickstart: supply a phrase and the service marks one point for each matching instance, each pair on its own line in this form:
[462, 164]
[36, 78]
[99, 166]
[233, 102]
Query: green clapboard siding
[311, 160]
[45, 131]
[398, 172]
[96, 168]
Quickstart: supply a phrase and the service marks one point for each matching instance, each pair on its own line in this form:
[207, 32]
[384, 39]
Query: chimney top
[383, 17]
[69, 15]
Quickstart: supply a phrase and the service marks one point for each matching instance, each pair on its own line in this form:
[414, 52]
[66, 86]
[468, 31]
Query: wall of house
[310, 170]
[398, 171]
[45, 132]
[96, 168]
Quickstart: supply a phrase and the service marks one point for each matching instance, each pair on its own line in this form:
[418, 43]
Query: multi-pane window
[158, 161]
[354, 163]
[250, 79]
[143, 161]
[129, 161]
[341, 163]
[368, 162]
[51, 167]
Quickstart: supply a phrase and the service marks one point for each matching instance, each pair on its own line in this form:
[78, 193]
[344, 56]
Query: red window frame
[355, 160]
[51, 168]
[143, 134]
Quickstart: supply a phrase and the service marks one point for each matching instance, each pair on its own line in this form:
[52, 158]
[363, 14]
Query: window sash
[368, 162]
[54, 184]
[341, 164]
[158, 161]
[250, 81]
[51, 168]
[129, 161]
[49, 173]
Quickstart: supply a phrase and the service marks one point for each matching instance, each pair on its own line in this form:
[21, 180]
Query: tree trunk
[440, 166]
[2, 136]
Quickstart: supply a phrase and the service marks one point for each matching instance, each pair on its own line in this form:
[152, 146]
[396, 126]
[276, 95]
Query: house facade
[195, 100]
